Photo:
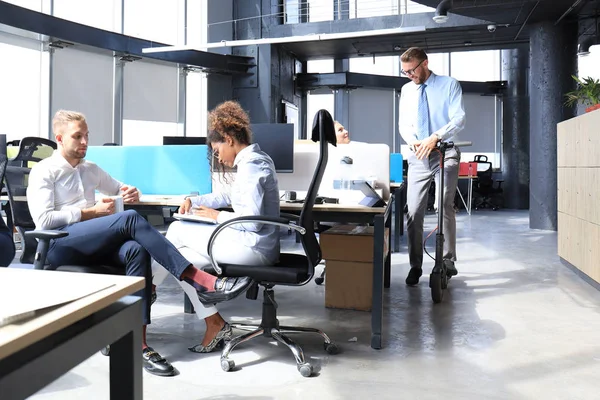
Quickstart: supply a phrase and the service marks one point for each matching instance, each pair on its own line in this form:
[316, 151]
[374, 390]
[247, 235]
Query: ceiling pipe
[526, 19]
[568, 11]
[441, 12]
[584, 46]
[583, 49]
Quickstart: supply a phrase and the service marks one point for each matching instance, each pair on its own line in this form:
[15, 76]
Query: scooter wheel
[435, 283]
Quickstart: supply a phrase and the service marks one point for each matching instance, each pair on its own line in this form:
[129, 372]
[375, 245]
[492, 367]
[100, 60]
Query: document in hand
[194, 218]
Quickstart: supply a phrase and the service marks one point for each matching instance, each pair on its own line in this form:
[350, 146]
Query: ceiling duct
[441, 12]
[584, 44]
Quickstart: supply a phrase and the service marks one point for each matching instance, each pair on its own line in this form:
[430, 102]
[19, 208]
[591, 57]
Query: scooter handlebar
[449, 145]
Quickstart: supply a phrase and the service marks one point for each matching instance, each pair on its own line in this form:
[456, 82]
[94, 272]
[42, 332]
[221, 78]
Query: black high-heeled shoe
[226, 288]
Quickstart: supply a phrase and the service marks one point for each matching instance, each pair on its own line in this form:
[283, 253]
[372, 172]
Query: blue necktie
[423, 115]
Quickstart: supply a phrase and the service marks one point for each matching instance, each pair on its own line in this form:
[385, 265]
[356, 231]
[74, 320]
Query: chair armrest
[291, 217]
[499, 183]
[278, 221]
[44, 237]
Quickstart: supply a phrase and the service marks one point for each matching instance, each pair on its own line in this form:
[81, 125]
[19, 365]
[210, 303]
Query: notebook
[194, 218]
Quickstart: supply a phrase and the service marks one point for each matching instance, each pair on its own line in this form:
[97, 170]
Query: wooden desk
[380, 217]
[39, 350]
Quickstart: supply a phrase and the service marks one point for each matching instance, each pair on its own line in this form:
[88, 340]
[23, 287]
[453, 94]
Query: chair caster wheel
[319, 281]
[227, 364]
[105, 351]
[305, 370]
[331, 348]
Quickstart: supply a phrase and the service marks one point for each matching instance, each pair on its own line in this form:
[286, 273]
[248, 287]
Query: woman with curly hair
[254, 192]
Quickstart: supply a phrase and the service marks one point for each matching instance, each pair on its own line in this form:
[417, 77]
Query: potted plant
[586, 93]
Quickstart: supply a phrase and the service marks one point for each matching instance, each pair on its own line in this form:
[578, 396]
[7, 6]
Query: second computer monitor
[168, 140]
[277, 140]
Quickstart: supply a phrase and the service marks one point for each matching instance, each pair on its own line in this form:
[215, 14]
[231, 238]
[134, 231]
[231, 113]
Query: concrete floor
[514, 324]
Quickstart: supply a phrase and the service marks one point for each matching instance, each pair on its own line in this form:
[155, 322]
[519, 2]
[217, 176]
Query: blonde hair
[413, 53]
[336, 124]
[63, 117]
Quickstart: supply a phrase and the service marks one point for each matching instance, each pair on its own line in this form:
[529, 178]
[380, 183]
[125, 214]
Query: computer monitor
[277, 140]
[167, 140]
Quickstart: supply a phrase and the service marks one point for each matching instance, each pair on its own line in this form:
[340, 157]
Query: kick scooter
[438, 279]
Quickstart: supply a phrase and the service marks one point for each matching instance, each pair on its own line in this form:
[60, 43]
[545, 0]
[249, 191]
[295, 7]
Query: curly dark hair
[227, 119]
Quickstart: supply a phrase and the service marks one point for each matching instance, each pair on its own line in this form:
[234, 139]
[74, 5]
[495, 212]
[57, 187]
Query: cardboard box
[348, 252]
[350, 243]
[349, 285]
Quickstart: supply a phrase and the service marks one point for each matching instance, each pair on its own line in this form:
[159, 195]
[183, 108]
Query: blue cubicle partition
[169, 170]
[396, 168]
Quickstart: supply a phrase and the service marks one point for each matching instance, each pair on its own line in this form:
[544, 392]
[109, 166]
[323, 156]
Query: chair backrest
[16, 176]
[484, 171]
[323, 131]
[33, 150]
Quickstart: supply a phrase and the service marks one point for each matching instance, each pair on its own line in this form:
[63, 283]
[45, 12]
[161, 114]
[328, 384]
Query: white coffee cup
[118, 202]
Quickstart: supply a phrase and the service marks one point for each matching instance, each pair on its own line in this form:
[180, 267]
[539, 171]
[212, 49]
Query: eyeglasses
[411, 72]
[215, 152]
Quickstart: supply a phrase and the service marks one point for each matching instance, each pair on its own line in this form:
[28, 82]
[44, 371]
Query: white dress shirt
[57, 191]
[255, 192]
[446, 108]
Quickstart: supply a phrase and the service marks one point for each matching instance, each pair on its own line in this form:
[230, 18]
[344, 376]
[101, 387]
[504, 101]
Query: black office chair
[7, 245]
[35, 244]
[486, 193]
[291, 270]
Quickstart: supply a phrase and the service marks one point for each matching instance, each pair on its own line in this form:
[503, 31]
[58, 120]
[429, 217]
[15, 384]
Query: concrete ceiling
[466, 29]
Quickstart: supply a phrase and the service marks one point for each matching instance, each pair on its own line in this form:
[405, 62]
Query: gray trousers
[420, 174]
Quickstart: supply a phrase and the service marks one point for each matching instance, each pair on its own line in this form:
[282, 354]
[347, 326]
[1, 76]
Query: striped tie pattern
[423, 131]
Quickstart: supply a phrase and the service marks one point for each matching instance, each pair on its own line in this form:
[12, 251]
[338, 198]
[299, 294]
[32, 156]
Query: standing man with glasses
[431, 110]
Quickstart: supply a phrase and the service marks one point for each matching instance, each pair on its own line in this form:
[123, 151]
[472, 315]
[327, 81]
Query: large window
[388, 65]
[22, 86]
[196, 83]
[35, 5]
[320, 10]
[103, 14]
[588, 65]
[83, 81]
[439, 63]
[479, 66]
[150, 103]
[322, 98]
[157, 20]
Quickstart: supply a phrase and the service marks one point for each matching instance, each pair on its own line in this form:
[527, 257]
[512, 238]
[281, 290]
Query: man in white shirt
[431, 110]
[61, 195]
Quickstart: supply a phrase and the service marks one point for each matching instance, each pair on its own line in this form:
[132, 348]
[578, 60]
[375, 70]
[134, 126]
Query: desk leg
[398, 211]
[126, 365]
[188, 307]
[378, 272]
[470, 195]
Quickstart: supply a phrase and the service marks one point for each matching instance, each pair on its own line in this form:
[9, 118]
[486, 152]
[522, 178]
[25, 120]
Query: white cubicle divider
[370, 161]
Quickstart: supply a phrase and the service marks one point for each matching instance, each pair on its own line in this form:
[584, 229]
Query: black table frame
[27, 371]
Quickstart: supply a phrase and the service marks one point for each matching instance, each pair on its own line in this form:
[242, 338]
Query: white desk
[468, 203]
[57, 339]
